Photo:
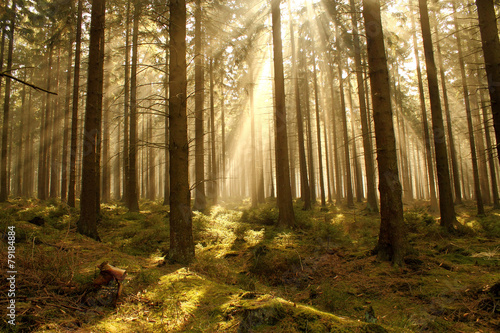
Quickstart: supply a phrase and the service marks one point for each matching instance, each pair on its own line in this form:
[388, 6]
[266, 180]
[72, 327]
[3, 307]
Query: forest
[250, 166]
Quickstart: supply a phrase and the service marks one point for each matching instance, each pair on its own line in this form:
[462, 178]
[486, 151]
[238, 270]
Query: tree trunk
[447, 209]
[67, 112]
[54, 143]
[4, 192]
[371, 195]
[286, 215]
[166, 189]
[310, 154]
[491, 49]
[305, 192]
[213, 175]
[74, 110]
[181, 226]
[472, 143]
[200, 200]
[23, 146]
[391, 242]
[87, 224]
[451, 142]
[126, 109]
[106, 169]
[348, 177]
[132, 196]
[318, 130]
[423, 110]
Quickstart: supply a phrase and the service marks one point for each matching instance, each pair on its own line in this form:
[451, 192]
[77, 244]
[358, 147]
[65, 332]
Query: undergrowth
[250, 275]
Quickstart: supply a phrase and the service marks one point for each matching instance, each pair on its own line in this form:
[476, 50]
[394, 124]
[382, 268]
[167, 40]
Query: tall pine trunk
[391, 243]
[371, 195]
[448, 219]
[74, 110]
[89, 214]
[286, 215]
[181, 225]
[200, 200]
[132, 196]
[425, 124]
[4, 192]
[468, 111]
[491, 50]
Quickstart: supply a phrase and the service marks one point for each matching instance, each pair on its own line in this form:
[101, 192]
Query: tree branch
[26, 83]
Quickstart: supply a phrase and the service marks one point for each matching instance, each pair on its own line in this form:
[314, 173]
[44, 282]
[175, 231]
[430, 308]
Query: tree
[425, 124]
[199, 154]
[4, 193]
[286, 215]
[391, 242]
[87, 224]
[74, 109]
[465, 90]
[305, 192]
[371, 195]
[491, 50]
[181, 224]
[132, 197]
[446, 207]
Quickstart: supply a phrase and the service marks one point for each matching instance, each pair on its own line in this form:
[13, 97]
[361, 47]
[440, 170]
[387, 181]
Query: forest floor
[249, 275]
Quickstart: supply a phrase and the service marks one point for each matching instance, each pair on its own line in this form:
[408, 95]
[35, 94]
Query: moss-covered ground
[249, 275]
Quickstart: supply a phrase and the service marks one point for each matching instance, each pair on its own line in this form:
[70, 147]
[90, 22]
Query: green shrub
[491, 225]
[265, 214]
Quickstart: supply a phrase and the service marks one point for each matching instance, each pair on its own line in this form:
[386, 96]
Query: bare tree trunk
[391, 242]
[318, 130]
[54, 143]
[310, 155]
[199, 155]
[286, 215]
[343, 114]
[106, 169]
[213, 176]
[358, 176]
[166, 190]
[4, 192]
[64, 164]
[305, 192]
[126, 110]
[89, 214]
[74, 111]
[181, 226]
[43, 173]
[491, 49]
[448, 219]
[133, 200]
[465, 91]
[451, 142]
[23, 146]
[253, 164]
[371, 194]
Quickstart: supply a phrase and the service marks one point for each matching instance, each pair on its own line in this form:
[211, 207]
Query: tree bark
[425, 125]
[451, 142]
[132, 196]
[470, 126]
[74, 110]
[87, 224]
[491, 50]
[181, 234]
[391, 242]
[4, 189]
[286, 215]
[448, 219]
[200, 200]
[371, 195]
